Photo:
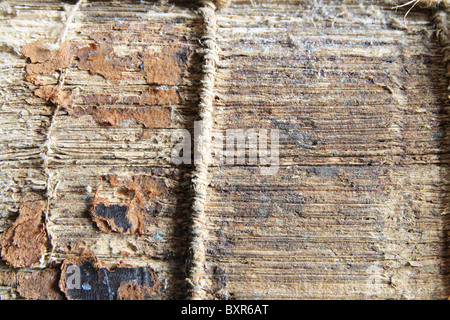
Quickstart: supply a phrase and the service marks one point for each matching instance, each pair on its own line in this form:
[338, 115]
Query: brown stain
[125, 218]
[133, 291]
[34, 284]
[116, 182]
[150, 186]
[55, 95]
[166, 67]
[149, 117]
[39, 284]
[38, 81]
[24, 242]
[108, 116]
[155, 97]
[152, 117]
[124, 282]
[46, 58]
[101, 59]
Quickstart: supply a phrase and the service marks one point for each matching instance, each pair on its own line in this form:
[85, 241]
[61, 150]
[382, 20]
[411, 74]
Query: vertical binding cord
[441, 25]
[198, 229]
[440, 20]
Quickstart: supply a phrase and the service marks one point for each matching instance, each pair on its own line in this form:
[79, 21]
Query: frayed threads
[422, 4]
[68, 23]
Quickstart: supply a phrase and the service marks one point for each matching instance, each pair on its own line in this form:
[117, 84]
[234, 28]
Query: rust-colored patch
[101, 59]
[154, 97]
[152, 117]
[116, 182]
[168, 66]
[39, 285]
[85, 277]
[47, 58]
[150, 186]
[35, 284]
[108, 116]
[24, 242]
[131, 290]
[125, 217]
[149, 117]
[165, 68]
[55, 95]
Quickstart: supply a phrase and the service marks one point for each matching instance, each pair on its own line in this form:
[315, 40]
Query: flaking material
[24, 242]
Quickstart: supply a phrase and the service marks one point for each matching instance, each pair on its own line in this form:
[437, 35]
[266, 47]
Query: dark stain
[115, 212]
[125, 217]
[168, 66]
[290, 134]
[325, 172]
[220, 280]
[98, 282]
[182, 55]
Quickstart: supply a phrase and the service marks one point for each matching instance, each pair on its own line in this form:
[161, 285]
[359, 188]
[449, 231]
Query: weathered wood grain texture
[358, 206]
[89, 141]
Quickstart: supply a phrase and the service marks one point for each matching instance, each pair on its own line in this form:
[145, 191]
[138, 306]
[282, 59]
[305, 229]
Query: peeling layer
[39, 285]
[154, 97]
[149, 186]
[149, 117]
[168, 66]
[101, 59]
[87, 278]
[47, 58]
[35, 284]
[124, 218]
[55, 95]
[24, 243]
